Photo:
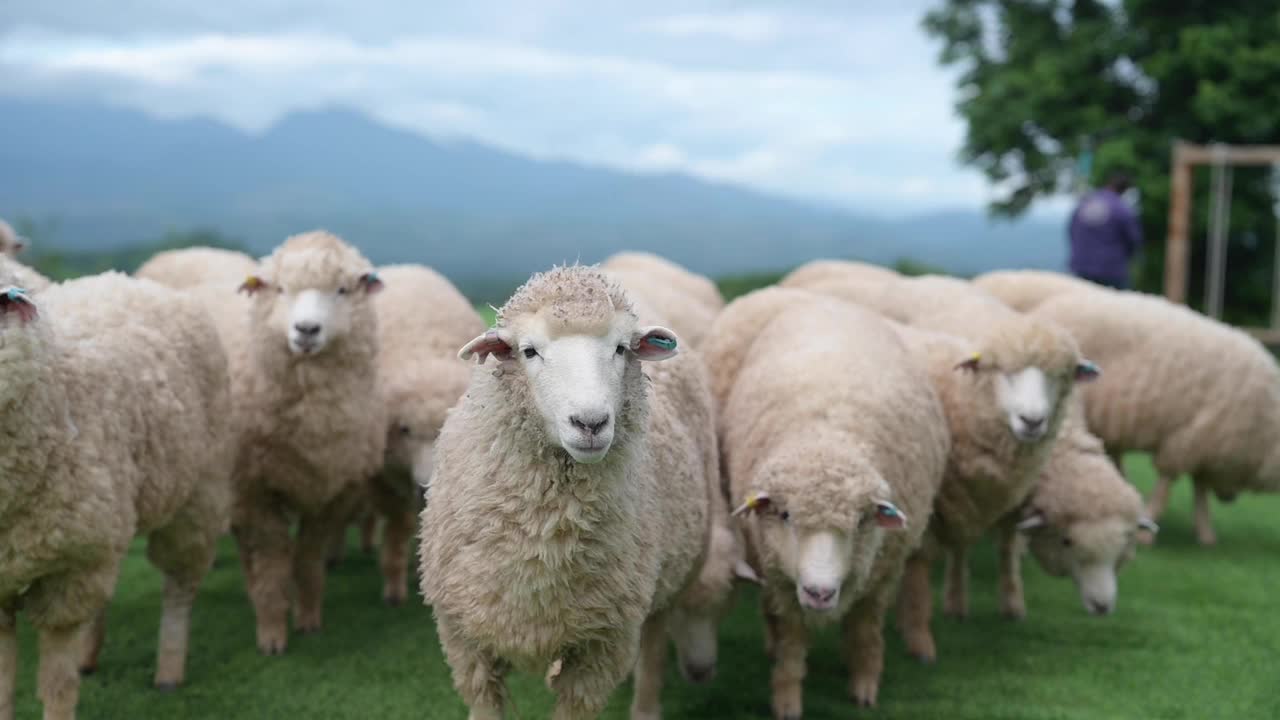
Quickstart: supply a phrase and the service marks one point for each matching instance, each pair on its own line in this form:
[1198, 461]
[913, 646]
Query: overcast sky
[836, 101]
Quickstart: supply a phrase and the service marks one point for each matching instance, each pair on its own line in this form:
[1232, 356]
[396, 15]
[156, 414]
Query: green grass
[1196, 635]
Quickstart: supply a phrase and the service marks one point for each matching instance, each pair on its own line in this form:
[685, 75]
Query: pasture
[1196, 635]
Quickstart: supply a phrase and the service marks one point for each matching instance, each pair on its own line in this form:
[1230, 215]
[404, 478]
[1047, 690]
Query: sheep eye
[1066, 542]
[404, 429]
[784, 515]
[342, 291]
[530, 353]
[622, 349]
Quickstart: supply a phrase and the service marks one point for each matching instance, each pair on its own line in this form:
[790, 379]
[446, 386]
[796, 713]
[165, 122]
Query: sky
[838, 102]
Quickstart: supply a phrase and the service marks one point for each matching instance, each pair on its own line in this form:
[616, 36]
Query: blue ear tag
[887, 511]
[14, 293]
[664, 343]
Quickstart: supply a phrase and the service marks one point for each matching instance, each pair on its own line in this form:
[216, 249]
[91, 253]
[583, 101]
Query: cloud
[839, 105]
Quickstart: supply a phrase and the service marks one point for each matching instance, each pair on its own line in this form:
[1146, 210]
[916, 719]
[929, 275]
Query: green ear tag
[664, 343]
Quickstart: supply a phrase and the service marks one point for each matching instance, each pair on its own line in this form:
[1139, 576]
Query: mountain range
[98, 177]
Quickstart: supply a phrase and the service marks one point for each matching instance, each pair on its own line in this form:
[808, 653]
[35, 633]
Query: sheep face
[312, 304]
[824, 544]
[577, 372]
[1031, 396]
[695, 619]
[411, 445]
[1091, 553]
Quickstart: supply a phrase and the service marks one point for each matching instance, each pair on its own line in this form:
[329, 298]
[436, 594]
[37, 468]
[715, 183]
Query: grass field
[1196, 635]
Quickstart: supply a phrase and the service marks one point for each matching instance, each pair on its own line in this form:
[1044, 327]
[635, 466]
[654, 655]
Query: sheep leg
[864, 643]
[915, 608]
[646, 701]
[8, 663]
[583, 688]
[94, 639]
[1012, 603]
[309, 573]
[1204, 523]
[770, 632]
[790, 650]
[1157, 503]
[184, 552]
[394, 556]
[957, 584]
[265, 551]
[476, 676]
[175, 632]
[59, 674]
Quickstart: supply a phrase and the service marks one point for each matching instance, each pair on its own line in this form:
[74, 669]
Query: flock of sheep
[624, 449]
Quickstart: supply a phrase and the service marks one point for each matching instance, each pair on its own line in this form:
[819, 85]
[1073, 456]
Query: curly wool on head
[569, 297]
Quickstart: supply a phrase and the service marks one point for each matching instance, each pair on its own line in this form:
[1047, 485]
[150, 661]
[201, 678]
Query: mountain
[109, 177]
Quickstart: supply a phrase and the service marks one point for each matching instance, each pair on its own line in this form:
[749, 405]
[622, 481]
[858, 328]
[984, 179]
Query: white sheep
[1003, 419]
[117, 425]
[11, 244]
[309, 413]
[1202, 397]
[685, 299]
[188, 267]
[818, 272]
[813, 420]
[1023, 290]
[1082, 522]
[422, 321]
[556, 535]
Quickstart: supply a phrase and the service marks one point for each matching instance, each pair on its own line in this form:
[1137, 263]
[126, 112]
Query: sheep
[309, 414]
[1202, 397]
[818, 272]
[422, 321]
[812, 429]
[11, 243]
[1023, 290]
[687, 300]
[117, 425]
[567, 510]
[188, 267]
[1003, 422]
[1081, 521]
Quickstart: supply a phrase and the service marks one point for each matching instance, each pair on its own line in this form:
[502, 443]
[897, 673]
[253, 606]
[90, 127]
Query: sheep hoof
[88, 670]
[924, 658]
[1207, 539]
[1146, 537]
[394, 600]
[166, 687]
[1014, 614]
[864, 692]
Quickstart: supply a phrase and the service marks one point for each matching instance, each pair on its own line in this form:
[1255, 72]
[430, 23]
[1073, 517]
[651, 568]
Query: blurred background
[490, 139]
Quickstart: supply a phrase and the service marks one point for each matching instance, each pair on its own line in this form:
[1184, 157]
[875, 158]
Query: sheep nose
[1099, 608]
[819, 594]
[591, 423]
[1032, 422]
[307, 328]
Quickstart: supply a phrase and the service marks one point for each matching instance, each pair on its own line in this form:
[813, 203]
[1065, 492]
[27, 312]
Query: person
[1105, 234]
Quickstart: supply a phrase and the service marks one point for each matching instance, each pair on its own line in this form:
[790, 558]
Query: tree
[1042, 81]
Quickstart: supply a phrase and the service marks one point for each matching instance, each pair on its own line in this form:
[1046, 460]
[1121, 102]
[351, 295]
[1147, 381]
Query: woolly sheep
[1081, 521]
[554, 538]
[812, 435]
[688, 301]
[187, 267]
[1023, 290]
[309, 414]
[422, 321]
[697, 613]
[11, 243]
[1203, 398]
[117, 425]
[819, 272]
[1003, 423]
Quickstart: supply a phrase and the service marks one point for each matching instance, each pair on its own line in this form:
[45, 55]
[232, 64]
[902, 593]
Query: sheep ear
[1146, 523]
[490, 343]
[253, 284]
[970, 363]
[1087, 371]
[1031, 522]
[654, 343]
[743, 571]
[888, 516]
[15, 301]
[371, 283]
[756, 502]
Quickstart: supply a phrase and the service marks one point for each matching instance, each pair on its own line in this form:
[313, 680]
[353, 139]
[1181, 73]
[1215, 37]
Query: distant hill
[96, 177]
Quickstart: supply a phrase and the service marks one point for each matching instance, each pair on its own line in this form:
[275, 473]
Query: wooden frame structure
[1178, 245]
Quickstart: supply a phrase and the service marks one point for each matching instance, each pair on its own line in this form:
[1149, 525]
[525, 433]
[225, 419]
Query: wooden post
[1177, 249]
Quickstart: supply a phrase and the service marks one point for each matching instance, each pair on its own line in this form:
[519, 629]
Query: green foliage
[1040, 82]
[732, 286]
[65, 264]
[909, 267]
[1193, 637]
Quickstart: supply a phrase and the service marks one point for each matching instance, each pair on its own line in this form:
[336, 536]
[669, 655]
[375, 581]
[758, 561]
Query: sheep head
[571, 336]
[312, 291]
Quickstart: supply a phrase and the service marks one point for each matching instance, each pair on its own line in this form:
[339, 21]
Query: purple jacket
[1105, 235]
